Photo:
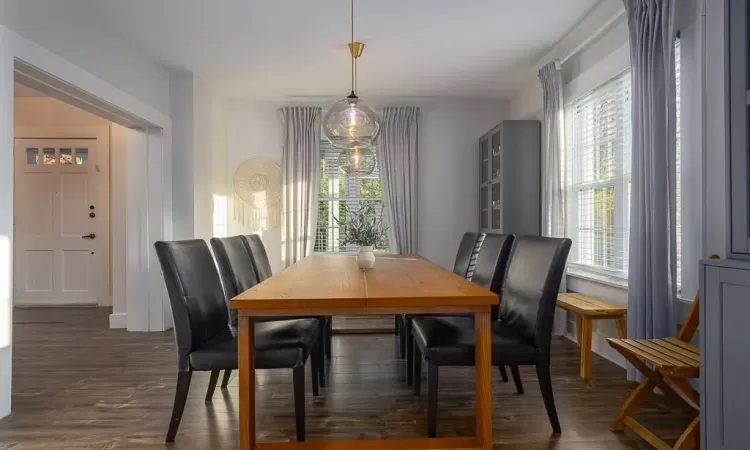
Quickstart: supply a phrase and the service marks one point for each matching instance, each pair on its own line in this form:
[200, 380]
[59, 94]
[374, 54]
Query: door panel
[56, 186]
[40, 270]
[76, 266]
[74, 199]
[37, 193]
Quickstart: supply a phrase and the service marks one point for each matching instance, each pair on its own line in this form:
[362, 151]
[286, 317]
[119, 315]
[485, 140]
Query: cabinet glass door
[484, 194]
[496, 191]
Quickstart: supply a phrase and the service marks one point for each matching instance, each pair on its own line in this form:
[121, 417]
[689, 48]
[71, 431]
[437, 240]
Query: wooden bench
[587, 309]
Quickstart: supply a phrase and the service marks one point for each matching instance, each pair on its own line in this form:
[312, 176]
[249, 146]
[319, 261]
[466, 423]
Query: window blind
[599, 175]
[338, 194]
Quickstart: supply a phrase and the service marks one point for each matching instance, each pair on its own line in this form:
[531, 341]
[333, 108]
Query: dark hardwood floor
[79, 385]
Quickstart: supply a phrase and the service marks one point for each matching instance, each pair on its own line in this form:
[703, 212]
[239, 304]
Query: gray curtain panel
[300, 163]
[553, 191]
[397, 162]
[652, 266]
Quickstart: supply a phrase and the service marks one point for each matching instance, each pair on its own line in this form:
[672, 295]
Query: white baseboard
[118, 320]
[54, 304]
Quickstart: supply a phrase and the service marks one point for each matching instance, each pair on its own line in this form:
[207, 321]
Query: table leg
[585, 336]
[483, 368]
[246, 359]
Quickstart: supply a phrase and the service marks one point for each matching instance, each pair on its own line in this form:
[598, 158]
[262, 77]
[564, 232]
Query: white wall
[183, 156]
[448, 177]
[6, 220]
[253, 129]
[89, 45]
[199, 162]
[448, 186]
[210, 158]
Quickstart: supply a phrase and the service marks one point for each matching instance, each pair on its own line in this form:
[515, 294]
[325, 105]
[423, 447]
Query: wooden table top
[335, 281]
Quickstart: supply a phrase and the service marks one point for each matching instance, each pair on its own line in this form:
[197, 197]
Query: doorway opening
[62, 203]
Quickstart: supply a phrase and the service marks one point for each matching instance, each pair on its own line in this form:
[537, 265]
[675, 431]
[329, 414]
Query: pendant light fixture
[352, 125]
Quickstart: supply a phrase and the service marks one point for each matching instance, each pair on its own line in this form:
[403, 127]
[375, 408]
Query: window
[338, 194]
[598, 176]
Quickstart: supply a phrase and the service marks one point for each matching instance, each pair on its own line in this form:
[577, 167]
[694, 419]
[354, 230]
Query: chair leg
[545, 384]
[396, 325]
[402, 340]
[516, 379]
[690, 437]
[321, 355]
[212, 385]
[417, 381]
[329, 339]
[180, 396]
[225, 380]
[298, 374]
[409, 359]
[503, 373]
[432, 393]
[315, 370]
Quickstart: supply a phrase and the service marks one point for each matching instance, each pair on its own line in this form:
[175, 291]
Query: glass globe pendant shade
[351, 123]
[357, 161]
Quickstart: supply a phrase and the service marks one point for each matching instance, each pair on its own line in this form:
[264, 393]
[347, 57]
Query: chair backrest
[463, 255]
[492, 261]
[531, 286]
[474, 255]
[236, 268]
[198, 304]
[687, 330]
[259, 256]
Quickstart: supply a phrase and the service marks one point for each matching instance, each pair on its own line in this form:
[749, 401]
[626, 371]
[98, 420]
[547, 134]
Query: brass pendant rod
[352, 21]
[354, 60]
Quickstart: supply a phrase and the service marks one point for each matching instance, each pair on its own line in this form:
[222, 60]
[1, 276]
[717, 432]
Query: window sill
[598, 278]
[614, 282]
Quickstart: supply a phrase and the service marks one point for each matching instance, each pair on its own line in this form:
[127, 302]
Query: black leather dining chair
[467, 250]
[238, 274]
[204, 339]
[263, 270]
[522, 333]
[488, 271]
[259, 255]
[466, 256]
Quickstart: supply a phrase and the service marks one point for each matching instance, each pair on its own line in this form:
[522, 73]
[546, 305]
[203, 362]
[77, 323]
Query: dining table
[334, 285]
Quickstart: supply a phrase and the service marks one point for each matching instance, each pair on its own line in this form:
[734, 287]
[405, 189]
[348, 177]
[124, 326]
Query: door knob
[89, 236]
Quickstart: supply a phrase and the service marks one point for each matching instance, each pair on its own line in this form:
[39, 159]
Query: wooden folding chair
[672, 361]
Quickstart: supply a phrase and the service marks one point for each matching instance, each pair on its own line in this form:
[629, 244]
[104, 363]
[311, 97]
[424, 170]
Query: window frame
[334, 200]
[620, 184]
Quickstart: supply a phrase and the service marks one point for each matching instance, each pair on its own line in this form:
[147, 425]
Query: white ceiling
[271, 49]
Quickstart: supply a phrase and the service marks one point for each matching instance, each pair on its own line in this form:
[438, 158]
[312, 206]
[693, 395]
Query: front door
[61, 243]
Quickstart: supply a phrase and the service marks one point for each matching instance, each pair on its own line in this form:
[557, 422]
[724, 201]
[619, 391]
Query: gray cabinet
[725, 360]
[738, 103]
[510, 178]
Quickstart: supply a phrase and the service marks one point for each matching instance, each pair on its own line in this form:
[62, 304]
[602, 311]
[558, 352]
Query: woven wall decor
[257, 194]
